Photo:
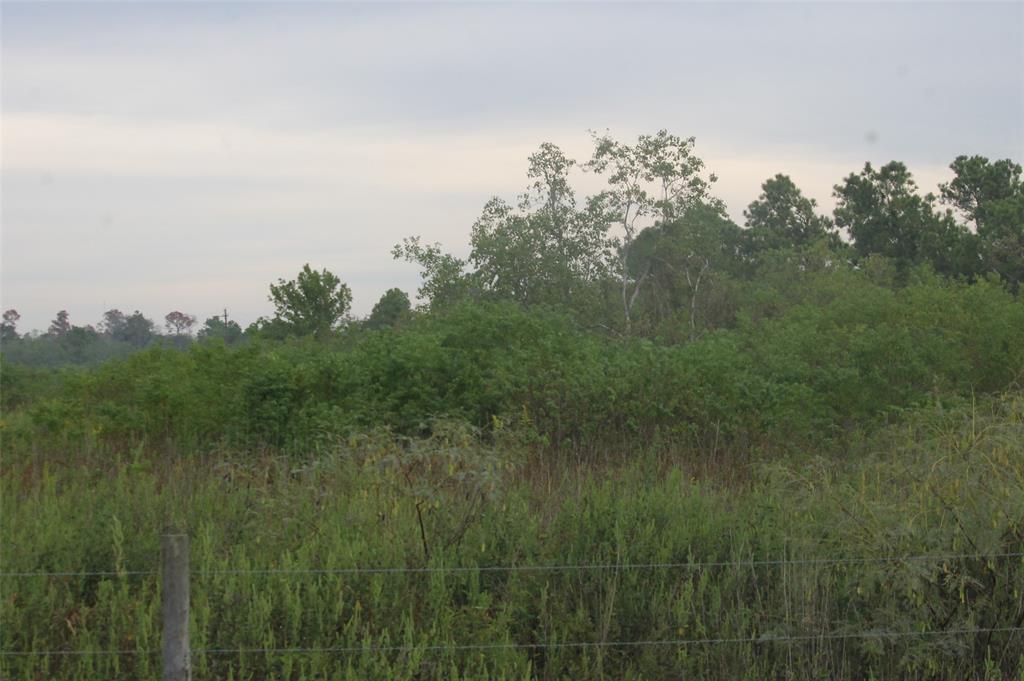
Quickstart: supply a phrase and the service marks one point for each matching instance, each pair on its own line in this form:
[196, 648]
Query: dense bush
[806, 375]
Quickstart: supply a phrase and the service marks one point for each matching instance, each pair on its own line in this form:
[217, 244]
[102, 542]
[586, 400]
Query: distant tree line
[654, 254]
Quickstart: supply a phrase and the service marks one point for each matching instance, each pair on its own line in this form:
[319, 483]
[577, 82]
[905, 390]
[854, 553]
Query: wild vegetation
[624, 438]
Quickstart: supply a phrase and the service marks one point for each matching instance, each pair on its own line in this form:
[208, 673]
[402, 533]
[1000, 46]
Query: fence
[175, 574]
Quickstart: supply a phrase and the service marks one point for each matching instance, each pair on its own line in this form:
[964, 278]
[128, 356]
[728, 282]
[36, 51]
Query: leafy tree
[78, 340]
[548, 250]
[274, 328]
[991, 195]
[444, 277]
[215, 327]
[60, 326]
[9, 326]
[1002, 244]
[686, 262]
[390, 310]
[885, 215]
[658, 177]
[179, 323]
[137, 330]
[545, 251]
[549, 169]
[311, 304]
[113, 323]
[980, 186]
[782, 217]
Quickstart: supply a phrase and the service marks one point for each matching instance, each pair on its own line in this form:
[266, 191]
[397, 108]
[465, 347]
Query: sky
[183, 156]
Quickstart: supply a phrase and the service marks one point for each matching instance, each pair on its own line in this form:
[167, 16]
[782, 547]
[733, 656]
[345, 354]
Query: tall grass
[942, 482]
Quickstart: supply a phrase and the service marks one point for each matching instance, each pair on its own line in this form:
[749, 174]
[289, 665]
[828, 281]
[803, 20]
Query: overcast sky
[182, 156]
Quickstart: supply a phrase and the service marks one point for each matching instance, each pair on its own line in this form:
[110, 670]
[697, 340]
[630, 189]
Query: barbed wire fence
[176, 577]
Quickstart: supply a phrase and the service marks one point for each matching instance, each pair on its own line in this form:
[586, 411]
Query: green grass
[941, 482]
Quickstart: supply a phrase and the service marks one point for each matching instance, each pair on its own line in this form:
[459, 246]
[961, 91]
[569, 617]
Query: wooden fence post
[176, 654]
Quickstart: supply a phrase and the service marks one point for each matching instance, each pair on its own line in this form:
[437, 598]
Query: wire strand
[539, 568]
[824, 636]
[81, 573]
[613, 566]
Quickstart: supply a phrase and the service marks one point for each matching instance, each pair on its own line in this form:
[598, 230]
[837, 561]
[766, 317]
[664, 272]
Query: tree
[77, 341]
[549, 169]
[390, 310]
[980, 186]
[137, 330]
[444, 277]
[686, 261]
[542, 250]
[991, 195]
[545, 250]
[311, 304]
[60, 326]
[215, 327]
[113, 323]
[658, 177]
[885, 215]
[179, 323]
[9, 326]
[782, 217]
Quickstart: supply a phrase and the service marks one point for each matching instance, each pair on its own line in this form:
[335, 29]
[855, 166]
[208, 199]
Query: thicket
[842, 356]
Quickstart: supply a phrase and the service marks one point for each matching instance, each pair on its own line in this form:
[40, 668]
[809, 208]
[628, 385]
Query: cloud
[184, 155]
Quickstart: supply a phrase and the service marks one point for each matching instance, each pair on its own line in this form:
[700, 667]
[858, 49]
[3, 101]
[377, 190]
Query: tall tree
[77, 342]
[980, 186]
[311, 304]
[9, 326]
[390, 310]
[687, 259]
[543, 249]
[60, 326]
[991, 196]
[659, 177]
[113, 323]
[215, 327]
[179, 323]
[546, 251]
[138, 330]
[782, 217]
[885, 215]
[443, 275]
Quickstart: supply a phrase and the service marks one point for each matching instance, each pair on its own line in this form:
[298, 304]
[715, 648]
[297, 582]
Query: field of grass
[912, 525]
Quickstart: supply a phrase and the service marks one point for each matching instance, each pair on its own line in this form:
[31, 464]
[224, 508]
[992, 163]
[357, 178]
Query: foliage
[547, 251]
[947, 483]
[444, 279]
[392, 309]
[659, 177]
[991, 195]
[60, 325]
[782, 217]
[816, 356]
[9, 326]
[686, 263]
[885, 215]
[311, 304]
[179, 323]
[215, 328]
